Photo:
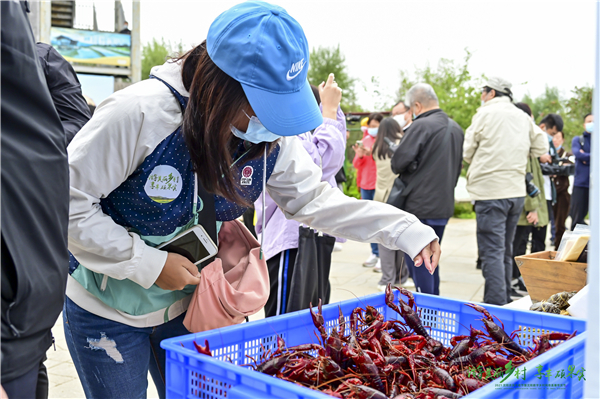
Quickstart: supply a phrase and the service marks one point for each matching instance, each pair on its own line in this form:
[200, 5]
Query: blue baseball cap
[262, 47]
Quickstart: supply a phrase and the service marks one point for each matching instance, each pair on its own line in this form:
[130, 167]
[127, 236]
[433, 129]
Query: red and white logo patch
[247, 173]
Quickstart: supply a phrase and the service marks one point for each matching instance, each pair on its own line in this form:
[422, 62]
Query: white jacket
[127, 127]
[497, 146]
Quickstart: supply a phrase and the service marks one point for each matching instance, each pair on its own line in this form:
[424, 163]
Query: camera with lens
[353, 118]
[392, 147]
[532, 190]
[558, 167]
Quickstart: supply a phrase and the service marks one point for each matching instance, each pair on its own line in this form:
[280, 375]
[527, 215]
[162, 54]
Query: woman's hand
[177, 273]
[430, 255]
[360, 151]
[331, 95]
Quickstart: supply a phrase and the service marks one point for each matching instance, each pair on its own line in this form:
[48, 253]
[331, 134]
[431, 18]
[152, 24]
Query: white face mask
[589, 127]
[256, 132]
[401, 120]
[373, 131]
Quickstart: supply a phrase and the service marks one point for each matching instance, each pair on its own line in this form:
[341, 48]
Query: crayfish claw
[205, 350]
[319, 321]
[480, 309]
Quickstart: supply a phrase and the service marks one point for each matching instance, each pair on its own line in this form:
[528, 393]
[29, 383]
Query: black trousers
[580, 202]
[538, 237]
[281, 269]
[33, 384]
[561, 211]
[300, 276]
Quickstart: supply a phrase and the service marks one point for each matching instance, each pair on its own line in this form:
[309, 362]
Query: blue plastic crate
[568, 354]
[192, 375]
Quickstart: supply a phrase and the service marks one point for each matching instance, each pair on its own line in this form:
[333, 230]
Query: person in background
[65, 90]
[393, 267]
[364, 129]
[432, 200]
[340, 179]
[125, 29]
[35, 209]
[561, 184]
[326, 146]
[365, 165]
[401, 113]
[497, 146]
[533, 220]
[550, 124]
[581, 147]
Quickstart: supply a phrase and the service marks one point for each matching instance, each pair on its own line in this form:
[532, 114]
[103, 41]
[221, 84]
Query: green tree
[576, 107]
[326, 60]
[458, 92]
[572, 110]
[156, 53]
[548, 102]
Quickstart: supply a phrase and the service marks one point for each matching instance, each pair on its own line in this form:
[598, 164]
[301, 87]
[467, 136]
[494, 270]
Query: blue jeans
[112, 359]
[425, 282]
[369, 195]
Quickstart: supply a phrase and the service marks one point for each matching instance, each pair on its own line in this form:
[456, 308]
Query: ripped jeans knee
[113, 359]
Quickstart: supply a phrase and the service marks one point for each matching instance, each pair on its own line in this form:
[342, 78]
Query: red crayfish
[376, 358]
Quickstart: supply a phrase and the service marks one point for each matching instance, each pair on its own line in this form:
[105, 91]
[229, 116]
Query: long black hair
[215, 100]
[387, 128]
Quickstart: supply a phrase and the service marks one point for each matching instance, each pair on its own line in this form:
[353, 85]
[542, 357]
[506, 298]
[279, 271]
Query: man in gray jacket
[497, 146]
[431, 197]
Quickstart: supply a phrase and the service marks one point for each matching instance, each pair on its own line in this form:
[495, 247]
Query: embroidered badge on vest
[247, 176]
[164, 184]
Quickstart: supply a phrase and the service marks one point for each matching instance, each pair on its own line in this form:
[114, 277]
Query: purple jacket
[327, 148]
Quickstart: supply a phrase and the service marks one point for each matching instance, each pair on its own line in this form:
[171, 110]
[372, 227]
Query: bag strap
[581, 141]
[436, 153]
[529, 168]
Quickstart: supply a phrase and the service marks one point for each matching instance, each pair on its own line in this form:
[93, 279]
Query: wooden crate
[545, 276]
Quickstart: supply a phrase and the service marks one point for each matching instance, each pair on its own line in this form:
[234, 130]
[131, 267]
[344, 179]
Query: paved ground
[459, 279]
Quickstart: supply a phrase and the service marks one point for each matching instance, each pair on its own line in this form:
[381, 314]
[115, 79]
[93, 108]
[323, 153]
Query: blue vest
[157, 202]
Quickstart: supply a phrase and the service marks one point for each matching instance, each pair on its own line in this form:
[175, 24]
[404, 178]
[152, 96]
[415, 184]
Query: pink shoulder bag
[233, 286]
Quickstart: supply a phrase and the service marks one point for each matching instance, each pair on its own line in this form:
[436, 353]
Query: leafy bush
[464, 210]
[350, 187]
[156, 53]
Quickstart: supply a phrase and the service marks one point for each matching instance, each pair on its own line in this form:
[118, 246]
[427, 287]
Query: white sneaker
[377, 268]
[337, 247]
[409, 283]
[381, 287]
[371, 261]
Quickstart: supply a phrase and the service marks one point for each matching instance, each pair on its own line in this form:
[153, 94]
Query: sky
[530, 43]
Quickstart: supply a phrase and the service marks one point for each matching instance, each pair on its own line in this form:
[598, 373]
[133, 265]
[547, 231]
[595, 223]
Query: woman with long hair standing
[393, 268]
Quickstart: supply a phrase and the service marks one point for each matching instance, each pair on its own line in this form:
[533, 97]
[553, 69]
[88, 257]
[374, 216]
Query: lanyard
[195, 206]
